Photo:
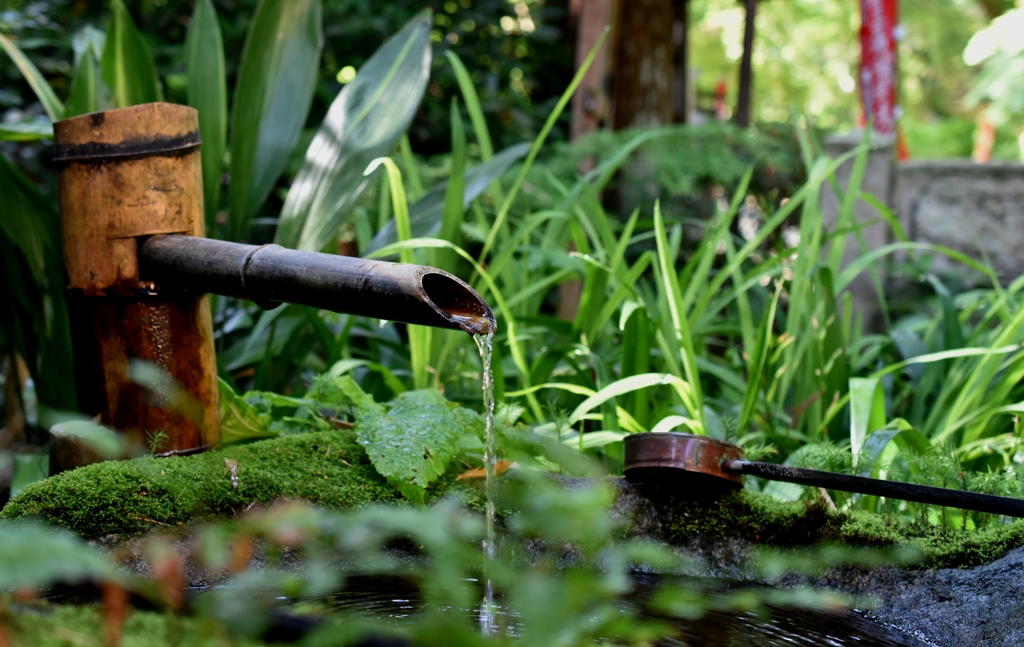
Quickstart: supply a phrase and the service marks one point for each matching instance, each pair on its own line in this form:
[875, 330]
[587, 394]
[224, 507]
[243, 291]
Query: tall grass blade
[628, 385]
[208, 94]
[865, 261]
[88, 92]
[274, 90]
[758, 360]
[454, 203]
[26, 131]
[538, 143]
[33, 312]
[867, 410]
[51, 104]
[848, 202]
[127, 64]
[510, 328]
[419, 336]
[472, 101]
[476, 117]
[364, 122]
[427, 213]
[679, 321]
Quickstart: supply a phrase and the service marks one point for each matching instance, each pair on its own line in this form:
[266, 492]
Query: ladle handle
[875, 487]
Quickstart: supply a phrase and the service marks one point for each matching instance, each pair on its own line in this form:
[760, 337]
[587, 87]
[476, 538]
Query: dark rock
[983, 605]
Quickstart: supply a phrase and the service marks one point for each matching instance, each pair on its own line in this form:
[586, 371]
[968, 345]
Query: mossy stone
[130, 497]
[763, 520]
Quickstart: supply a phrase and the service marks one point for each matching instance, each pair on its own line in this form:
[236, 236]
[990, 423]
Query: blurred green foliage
[519, 72]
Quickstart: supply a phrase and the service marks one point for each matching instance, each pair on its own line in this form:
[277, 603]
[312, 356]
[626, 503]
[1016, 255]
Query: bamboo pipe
[270, 275]
[139, 270]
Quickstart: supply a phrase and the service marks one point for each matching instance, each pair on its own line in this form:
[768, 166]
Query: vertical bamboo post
[123, 175]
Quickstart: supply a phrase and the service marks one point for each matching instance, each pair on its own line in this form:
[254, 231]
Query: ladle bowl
[703, 465]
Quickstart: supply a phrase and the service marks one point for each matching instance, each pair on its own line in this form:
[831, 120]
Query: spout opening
[458, 303]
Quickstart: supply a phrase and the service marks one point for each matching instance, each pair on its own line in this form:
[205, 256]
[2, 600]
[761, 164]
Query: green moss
[761, 519]
[130, 497]
[58, 625]
[331, 469]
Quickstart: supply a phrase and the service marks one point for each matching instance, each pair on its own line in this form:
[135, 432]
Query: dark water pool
[397, 598]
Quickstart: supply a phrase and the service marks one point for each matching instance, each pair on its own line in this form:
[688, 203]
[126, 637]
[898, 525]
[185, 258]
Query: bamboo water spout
[270, 275]
[139, 271]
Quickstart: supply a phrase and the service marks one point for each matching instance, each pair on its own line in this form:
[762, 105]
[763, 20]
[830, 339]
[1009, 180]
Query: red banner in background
[878, 63]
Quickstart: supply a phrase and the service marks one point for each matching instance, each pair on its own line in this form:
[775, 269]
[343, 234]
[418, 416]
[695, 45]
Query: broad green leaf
[345, 365]
[88, 38]
[26, 131]
[413, 442]
[398, 202]
[713, 425]
[128, 68]
[33, 311]
[341, 393]
[240, 420]
[207, 93]
[636, 357]
[867, 410]
[365, 122]
[276, 81]
[944, 355]
[282, 410]
[427, 213]
[88, 92]
[51, 104]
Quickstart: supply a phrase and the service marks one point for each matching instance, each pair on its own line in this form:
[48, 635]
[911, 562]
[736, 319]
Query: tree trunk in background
[636, 64]
[680, 61]
[643, 64]
[590, 106]
[746, 71]
[590, 103]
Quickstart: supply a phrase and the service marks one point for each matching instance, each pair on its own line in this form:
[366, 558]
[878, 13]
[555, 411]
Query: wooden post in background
[123, 175]
[590, 103]
[746, 65]
[642, 92]
[681, 62]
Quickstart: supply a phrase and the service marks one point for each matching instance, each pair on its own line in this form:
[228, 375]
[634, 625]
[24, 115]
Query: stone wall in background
[977, 209]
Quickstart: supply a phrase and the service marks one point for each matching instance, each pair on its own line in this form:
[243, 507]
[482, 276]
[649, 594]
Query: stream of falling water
[485, 342]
